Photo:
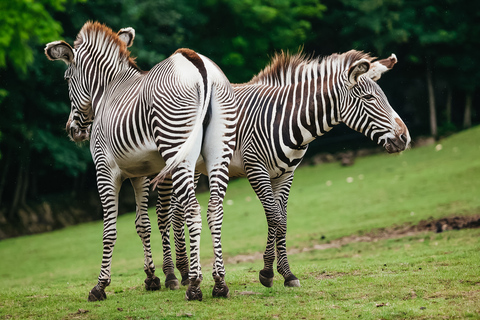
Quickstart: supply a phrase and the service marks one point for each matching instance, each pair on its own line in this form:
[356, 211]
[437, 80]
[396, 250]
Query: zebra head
[80, 64]
[366, 109]
[81, 113]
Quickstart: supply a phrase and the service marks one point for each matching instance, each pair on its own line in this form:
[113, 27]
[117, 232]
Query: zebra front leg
[164, 216]
[185, 192]
[261, 184]
[108, 189]
[281, 190]
[282, 262]
[142, 223]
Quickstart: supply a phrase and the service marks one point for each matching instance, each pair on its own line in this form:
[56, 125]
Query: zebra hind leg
[215, 218]
[219, 143]
[180, 245]
[183, 184]
[164, 219]
[144, 230]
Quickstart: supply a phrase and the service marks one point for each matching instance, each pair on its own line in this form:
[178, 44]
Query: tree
[434, 41]
[27, 100]
[240, 34]
[38, 159]
[24, 24]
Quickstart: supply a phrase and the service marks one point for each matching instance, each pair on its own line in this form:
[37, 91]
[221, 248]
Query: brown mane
[95, 28]
[283, 62]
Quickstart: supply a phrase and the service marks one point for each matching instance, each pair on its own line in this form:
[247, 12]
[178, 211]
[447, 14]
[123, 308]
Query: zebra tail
[187, 146]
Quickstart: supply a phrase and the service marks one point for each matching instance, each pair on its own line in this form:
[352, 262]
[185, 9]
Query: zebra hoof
[97, 294]
[220, 290]
[171, 282]
[266, 278]
[153, 283]
[291, 281]
[193, 293]
[185, 280]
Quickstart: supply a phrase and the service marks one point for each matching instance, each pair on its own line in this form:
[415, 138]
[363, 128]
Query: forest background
[47, 181]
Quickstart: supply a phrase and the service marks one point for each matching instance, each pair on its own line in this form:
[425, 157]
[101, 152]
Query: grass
[422, 276]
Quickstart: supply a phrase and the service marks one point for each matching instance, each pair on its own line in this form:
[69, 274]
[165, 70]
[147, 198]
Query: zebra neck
[110, 84]
[311, 112]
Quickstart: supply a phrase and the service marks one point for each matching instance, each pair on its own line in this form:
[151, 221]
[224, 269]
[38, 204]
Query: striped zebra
[142, 123]
[286, 106]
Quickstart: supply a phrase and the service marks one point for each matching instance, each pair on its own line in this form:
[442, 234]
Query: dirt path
[429, 225]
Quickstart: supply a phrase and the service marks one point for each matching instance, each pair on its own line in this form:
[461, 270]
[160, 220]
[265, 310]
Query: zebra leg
[142, 224]
[164, 219]
[261, 184]
[217, 150]
[281, 190]
[178, 223]
[108, 188]
[218, 187]
[176, 217]
[183, 184]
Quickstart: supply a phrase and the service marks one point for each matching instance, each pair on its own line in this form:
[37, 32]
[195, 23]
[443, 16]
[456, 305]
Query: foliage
[421, 275]
[256, 28]
[25, 23]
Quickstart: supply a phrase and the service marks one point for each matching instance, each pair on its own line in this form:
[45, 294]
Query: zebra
[141, 124]
[294, 100]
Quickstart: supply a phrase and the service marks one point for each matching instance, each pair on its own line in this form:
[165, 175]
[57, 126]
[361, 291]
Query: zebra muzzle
[396, 144]
[78, 135]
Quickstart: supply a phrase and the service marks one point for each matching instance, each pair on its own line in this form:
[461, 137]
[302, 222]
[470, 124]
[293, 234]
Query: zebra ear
[357, 69]
[59, 50]
[127, 35]
[379, 67]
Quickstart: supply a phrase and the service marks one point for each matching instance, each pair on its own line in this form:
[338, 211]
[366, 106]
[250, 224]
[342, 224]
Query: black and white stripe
[289, 104]
[142, 123]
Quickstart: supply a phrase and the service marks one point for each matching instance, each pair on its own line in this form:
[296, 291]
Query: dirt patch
[329, 275]
[428, 225]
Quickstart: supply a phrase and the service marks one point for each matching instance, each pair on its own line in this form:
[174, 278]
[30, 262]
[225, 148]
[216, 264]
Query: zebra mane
[286, 69]
[102, 35]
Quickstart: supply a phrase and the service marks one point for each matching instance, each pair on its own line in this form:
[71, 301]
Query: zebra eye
[368, 97]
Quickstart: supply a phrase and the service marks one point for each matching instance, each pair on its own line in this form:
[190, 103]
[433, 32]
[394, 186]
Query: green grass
[422, 276]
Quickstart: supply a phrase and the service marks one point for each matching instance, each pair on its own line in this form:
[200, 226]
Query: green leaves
[24, 24]
[242, 34]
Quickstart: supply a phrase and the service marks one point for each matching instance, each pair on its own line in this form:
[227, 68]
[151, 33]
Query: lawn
[421, 275]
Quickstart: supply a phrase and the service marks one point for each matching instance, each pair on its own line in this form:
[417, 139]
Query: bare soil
[430, 225]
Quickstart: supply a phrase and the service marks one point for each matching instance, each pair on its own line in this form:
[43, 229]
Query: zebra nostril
[403, 138]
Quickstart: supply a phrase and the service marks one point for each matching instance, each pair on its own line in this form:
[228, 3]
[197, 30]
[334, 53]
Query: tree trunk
[431, 102]
[26, 182]
[19, 195]
[6, 167]
[17, 192]
[467, 118]
[448, 106]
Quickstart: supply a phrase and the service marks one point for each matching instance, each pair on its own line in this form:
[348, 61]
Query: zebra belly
[236, 168]
[237, 164]
[144, 162]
